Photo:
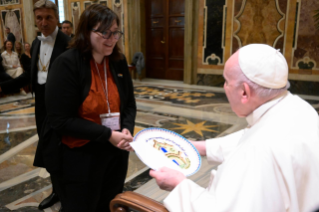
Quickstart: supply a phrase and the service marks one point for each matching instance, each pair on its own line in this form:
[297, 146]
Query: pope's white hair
[260, 91]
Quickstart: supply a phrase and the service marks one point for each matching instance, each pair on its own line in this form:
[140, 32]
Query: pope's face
[231, 90]
[46, 20]
[236, 92]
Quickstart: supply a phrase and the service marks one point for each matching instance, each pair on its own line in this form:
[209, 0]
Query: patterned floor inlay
[16, 105]
[179, 96]
[24, 111]
[190, 128]
[138, 181]
[195, 129]
[18, 191]
[134, 165]
[24, 209]
[197, 114]
[12, 139]
[17, 122]
[19, 163]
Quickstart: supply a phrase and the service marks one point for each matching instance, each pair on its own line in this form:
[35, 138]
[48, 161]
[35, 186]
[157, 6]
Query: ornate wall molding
[258, 21]
[214, 32]
[305, 50]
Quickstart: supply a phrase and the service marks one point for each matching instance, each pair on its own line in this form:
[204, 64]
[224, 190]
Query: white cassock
[272, 165]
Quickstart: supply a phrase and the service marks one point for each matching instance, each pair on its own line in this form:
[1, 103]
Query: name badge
[111, 120]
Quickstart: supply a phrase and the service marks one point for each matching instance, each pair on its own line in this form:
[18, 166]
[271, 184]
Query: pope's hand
[166, 178]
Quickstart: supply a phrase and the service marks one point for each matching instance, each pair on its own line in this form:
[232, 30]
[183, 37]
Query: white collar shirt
[256, 115]
[220, 148]
[46, 49]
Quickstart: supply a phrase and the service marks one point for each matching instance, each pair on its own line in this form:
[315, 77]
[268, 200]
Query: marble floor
[196, 112]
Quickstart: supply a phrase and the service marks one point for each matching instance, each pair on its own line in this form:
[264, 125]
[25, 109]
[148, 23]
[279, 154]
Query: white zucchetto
[264, 65]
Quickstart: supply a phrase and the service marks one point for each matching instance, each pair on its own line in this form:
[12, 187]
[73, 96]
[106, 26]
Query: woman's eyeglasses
[107, 34]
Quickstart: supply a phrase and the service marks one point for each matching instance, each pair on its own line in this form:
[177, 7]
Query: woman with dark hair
[91, 113]
[25, 59]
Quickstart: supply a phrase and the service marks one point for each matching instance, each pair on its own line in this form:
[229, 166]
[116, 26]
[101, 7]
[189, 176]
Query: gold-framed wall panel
[22, 19]
[109, 4]
[285, 24]
[303, 55]
[226, 29]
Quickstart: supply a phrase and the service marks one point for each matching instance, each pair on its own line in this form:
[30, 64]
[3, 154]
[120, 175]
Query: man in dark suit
[67, 28]
[45, 49]
[10, 37]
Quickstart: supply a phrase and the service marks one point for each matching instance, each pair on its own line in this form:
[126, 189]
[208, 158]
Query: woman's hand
[14, 66]
[126, 132]
[126, 145]
[122, 140]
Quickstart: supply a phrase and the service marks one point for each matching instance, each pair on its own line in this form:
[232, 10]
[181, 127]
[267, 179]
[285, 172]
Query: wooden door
[165, 39]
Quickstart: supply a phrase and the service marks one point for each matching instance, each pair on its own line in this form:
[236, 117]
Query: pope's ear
[246, 93]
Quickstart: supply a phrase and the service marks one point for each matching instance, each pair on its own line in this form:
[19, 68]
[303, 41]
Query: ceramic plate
[173, 146]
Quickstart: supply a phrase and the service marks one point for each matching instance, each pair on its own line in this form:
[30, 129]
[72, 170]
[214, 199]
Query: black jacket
[67, 86]
[30, 75]
[11, 38]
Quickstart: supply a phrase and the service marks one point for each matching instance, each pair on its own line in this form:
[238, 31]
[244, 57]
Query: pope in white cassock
[271, 165]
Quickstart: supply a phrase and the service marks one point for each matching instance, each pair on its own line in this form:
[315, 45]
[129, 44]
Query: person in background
[11, 65]
[45, 49]
[10, 36]
[25, 59]
[67, 28]
[5, 77]
[11, 61]
[91, 114]
[18, 49]
[272, 164]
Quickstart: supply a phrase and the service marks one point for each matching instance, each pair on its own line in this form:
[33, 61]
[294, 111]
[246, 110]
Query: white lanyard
[104, 88]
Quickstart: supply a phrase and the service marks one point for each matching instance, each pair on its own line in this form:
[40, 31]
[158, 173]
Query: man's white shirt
[46, 48]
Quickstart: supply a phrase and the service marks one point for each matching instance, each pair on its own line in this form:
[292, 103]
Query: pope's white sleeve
[218, 149]
[188, 197]
[251, 182]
